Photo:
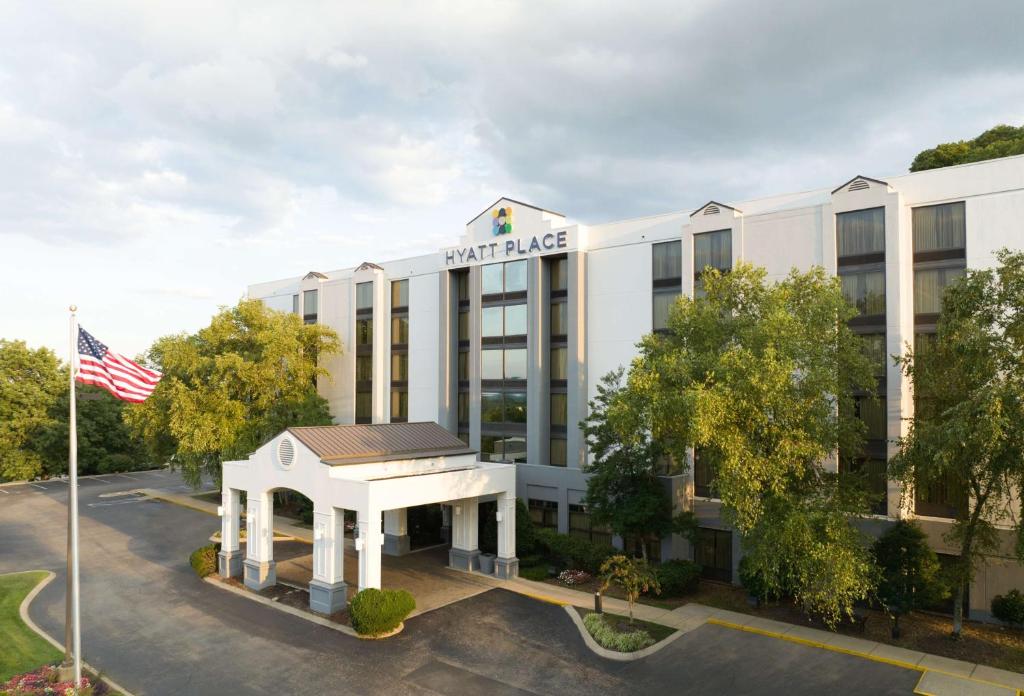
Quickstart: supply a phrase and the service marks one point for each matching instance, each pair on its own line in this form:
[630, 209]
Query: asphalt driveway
[157, 629]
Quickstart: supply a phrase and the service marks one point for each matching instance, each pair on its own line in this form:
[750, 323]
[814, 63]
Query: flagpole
[73, 505]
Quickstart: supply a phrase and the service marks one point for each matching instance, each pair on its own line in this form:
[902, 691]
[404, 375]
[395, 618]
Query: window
[939, 228]
[515, 276]
[557, 452]
[492, 321]
[872, 413]
[713, 553]
[492, 279]
[364, 368]
[543, 513]
[364, 407]
[503, 448]
[491, 364]
[929, 286]
[559, 319]
[946, 497]
[861, 232]
[558, 363]
[515, 363]
[712, 249]
[399, 367]
[309, 306]
[399, 294]
[399, 330]
[559, 410]
[508, 277]
[295, 304]
[463, 408]
[364, 332]
[705, 468]
[462, 285]
[874, 350]
[399, 406]
[865, 290]
[580, 525]
[464, 325]
[364, 295]
[559, 275]
[515, 320]
[463, 366]
[871, 473]
[667, 274]
[503, 407]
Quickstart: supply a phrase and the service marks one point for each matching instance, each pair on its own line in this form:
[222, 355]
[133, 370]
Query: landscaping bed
[617, 633]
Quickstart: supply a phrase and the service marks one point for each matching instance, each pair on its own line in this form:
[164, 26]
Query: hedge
[374, 611]
[1009, 608]
[574, 552]
[678, 577]
[204, 560]
[608, 637]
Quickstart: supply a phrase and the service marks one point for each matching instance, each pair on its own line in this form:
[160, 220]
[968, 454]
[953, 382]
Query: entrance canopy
[375, 470]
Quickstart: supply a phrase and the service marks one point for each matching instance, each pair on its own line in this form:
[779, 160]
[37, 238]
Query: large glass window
[515, 276]
[364, 332]
[559, 275]
[558, 363]
[705, 469]
[399, 406]
[861, 232]
[364, 295]
[557, 451]
[492, 407]
[580, 525]
[515, 320]
[491, 364]
[464, 325]
[464, 366]
[399, 294]
[543, 513]
[929, 286]
[492, 321]
[309, 306]
[663, 302]
[400, 329]
[515, 363]
[364, 407]
[873, 345]
[503, 448]
[865, 290]
[492, 279]
[364, 368]
[713, 553]
[873, 478]
[667, 260]
[399, 367]
[940, 227]
[559, 319]
[712, 249]
[559, 410]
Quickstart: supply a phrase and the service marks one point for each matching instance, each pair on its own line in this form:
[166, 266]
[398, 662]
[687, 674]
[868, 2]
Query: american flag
[104, 368]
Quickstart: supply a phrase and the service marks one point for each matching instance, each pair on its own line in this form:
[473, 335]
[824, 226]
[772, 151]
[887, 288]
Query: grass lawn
[23, 649]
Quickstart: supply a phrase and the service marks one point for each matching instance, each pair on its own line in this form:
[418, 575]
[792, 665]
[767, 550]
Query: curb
[23, 612]
[615, 654]
[347, 630]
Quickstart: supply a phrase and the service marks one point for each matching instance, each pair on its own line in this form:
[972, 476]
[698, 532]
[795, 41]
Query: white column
[327, 590]
[259, 544]
[465, 552]
[396, 532]
[230, 558]
[506, 565]
[368, 544]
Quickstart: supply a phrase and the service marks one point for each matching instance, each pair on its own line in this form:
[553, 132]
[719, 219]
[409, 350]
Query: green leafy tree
[968, 426]
[231, 386]
[30, 383]
[105, 444]
[1001, 141]
[632, 575]
[764, 376]
[623, 490]
[910, 573]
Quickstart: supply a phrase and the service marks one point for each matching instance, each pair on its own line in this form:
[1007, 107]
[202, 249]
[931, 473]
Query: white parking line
[116, 502]
[4, 492]
[102, 479]
[133, 478]
[42, 488]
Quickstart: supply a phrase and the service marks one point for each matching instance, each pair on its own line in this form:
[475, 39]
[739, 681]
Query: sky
[158, 157]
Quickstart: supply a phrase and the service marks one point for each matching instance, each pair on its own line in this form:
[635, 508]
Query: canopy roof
[358, 444]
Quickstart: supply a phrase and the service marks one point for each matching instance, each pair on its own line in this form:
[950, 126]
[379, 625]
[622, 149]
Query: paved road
[157, 629]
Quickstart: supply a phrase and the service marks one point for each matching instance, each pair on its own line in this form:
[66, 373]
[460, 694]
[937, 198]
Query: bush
[1009, 608]
[533, 572]
[752, 581]
[574, 552]
[574, 577]
[678, 577]
[607, 637]
[204, 560]
[374, 611]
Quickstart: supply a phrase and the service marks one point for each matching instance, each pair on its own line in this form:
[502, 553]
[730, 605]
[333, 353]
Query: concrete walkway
[941, 676]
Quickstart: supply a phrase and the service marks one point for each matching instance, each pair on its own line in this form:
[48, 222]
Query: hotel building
[503, 337]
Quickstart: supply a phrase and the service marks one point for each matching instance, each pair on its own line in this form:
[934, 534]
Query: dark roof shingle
[356, 444]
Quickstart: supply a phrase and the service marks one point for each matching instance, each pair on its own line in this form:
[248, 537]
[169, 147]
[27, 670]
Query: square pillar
[259, 543]
[506, 565]
[396, 532]
[368, 544]
[229, 560]
[465, 551]
[328, 592]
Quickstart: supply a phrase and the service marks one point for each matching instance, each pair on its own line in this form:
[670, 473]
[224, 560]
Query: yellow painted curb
[540, 598]
[855, 653]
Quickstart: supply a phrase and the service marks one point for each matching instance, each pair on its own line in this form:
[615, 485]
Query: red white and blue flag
[102, 367]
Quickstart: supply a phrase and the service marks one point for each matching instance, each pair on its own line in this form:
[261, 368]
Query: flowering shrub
[574, 577]
[45, 680]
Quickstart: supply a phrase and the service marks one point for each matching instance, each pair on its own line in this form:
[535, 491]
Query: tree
[1000, 141]
[232, 386]
[968, 426]
[909, 572]
[633, 576]
[623, 490]
[30, 383]
[764, 376]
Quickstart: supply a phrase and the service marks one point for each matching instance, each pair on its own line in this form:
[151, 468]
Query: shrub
[752, 581]
[574, 577]
[533, 572]
[678, 577]
[204, 560]
[1009, 608]
[607, 637]
[574, 552]
[909, 572]
[374, 611]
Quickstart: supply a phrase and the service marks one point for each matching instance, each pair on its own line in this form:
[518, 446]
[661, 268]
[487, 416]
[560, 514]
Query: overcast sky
[157, 157]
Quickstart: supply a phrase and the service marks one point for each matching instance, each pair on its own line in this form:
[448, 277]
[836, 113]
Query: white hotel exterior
[503, 337]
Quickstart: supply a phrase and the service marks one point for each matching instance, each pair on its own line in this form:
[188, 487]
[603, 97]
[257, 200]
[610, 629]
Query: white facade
[609, 298]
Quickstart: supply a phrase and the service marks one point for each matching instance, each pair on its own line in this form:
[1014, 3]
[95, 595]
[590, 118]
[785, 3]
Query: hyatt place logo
[502, 221]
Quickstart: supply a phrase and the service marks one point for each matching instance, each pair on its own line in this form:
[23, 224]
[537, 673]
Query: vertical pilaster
[259, 545]
[368, 544]
[465, 551]
[538, 357]
[576, 360]
[327, 589]
[474, 357]
[506, 565]
[230, 558]
[396, 532]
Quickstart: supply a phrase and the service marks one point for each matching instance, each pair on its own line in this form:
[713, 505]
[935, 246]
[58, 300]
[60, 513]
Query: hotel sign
[507, 249]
